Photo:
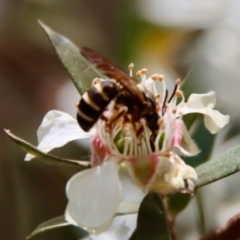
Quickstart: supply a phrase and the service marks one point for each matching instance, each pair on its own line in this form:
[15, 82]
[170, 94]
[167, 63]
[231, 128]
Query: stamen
[178, 94]
[126, 144]
[131, 147]
[178, 81]
[146, 138]
[130, 67]
[164, 90]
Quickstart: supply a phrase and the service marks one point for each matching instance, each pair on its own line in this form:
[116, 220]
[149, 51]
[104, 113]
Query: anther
[138, 73]
[160, 122]
[144, 71]
[158, 96]
[174, 111]
[179, 93]
[160, 78]
[154, 77]
[178, 81]
[131, 66]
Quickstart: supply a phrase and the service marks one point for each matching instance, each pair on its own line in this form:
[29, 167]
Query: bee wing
[111, 70]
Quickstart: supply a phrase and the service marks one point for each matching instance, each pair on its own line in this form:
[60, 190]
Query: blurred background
[197, 39]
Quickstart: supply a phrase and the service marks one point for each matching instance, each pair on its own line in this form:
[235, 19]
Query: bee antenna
[164, 102]
[174, 90]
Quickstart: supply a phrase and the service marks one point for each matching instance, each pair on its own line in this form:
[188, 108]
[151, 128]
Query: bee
[94, 102]
[125, 91]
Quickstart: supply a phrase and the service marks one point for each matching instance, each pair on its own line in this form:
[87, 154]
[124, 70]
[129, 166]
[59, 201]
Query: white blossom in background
[97, 194]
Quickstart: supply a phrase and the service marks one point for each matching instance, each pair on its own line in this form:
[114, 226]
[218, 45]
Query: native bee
[125, 91]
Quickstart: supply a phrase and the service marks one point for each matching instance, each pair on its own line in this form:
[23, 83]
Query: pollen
[138, 73]
[179, 93]
[131, 66]
[160, 78]
[143, 71]
[154, 77]
[160, 122]
[178, 81]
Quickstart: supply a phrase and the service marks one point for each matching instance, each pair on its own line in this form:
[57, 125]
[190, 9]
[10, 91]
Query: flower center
[149, 134]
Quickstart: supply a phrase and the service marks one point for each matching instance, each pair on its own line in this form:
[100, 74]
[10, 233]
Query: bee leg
[121, 112]
[152, 140]
[104, 118]
[133, 118]
[140, 131]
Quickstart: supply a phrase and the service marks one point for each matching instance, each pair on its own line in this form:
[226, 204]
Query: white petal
[56, 130]
[121, 228]
[131, 192]
[94, 196]
[187, 146]
[214, 120]
[207, 100]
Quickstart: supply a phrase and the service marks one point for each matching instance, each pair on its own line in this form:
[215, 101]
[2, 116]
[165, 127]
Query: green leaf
[49, 225]
[205, 141]
[177, 203]
[221, 167]
[46, 158]
[152, 221]
[81, 71]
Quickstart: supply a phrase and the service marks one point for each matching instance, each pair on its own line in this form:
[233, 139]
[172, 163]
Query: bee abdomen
[94, 101]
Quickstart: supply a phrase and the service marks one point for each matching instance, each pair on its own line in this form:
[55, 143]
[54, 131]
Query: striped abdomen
[94, 101]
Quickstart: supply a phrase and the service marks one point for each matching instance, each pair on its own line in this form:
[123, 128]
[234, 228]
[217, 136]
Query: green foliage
[46, 158]
[152, 221]
[221, 167]
[177, 203]
[49, 225]
[80, 70]
[205, 141]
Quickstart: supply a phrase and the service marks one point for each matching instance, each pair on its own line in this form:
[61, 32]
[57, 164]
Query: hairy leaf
[81, 71]
[46, 158]
[223, 166]
[152, 221]
[49, 225]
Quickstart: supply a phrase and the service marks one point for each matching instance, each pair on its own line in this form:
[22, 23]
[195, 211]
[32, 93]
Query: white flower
[151, 160]
[122, 228]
